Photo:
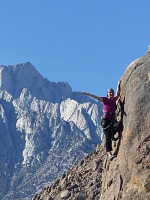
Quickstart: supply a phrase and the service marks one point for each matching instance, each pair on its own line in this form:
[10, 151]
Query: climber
[109, 107]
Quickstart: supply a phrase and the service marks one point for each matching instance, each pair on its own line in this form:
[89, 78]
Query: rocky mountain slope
[46, 128]
[126, 177]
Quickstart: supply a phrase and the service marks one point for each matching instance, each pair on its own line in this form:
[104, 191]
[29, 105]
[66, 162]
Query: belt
[108, 114]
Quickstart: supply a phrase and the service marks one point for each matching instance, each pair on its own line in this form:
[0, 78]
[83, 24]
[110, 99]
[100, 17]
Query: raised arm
[118, 90]
[93, 96]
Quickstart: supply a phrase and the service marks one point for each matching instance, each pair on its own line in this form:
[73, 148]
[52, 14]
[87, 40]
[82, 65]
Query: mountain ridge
[39, 123]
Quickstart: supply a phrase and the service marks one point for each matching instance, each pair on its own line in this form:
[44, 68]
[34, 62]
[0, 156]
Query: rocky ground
[81, 182]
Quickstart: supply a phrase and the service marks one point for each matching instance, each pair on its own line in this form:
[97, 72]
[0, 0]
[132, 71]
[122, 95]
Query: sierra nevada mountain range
[46, 128]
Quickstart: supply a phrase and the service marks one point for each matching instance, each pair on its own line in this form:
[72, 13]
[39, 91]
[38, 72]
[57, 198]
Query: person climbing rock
[109, 107]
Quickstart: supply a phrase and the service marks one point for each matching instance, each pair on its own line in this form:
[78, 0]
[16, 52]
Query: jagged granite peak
[46, 128]
[15, 78]
[127, 176]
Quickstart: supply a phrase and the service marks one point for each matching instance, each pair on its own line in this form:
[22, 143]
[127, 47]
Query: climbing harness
[106, 123]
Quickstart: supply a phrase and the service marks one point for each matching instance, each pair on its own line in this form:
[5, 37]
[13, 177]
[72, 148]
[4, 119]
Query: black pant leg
[108, 135]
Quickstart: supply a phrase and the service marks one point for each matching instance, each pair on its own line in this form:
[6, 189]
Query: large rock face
[127, 176]
[45, 129]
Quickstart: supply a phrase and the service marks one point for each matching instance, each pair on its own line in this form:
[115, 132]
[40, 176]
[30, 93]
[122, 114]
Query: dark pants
[108, 135]
[109, 131]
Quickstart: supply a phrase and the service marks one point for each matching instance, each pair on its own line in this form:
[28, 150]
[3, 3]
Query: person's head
[110, 93]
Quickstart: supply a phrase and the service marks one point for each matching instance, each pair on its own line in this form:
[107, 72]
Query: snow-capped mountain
[45, 129]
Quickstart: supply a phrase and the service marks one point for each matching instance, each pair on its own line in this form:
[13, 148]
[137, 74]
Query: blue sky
[88, 43]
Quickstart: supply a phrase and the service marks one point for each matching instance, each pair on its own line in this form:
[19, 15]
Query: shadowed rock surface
[126, 177]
